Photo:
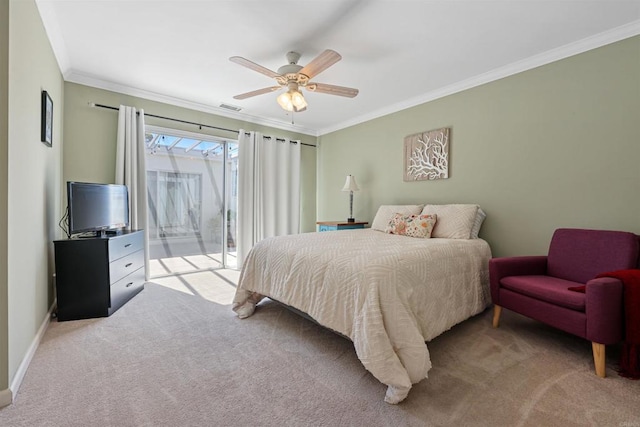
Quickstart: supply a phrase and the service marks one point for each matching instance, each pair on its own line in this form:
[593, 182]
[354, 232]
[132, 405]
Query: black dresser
[98, 275]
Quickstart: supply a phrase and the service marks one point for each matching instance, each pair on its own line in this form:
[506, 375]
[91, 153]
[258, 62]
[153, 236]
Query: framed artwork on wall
[46, 120]
[426, 155]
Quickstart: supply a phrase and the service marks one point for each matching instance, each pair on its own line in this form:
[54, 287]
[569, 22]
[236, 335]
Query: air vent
[230, 107]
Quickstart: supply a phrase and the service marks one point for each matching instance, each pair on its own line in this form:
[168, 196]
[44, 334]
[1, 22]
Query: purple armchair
[538, 286]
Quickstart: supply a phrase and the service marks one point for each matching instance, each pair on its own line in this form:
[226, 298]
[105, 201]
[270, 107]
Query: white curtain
[131, 170]
[268, 189]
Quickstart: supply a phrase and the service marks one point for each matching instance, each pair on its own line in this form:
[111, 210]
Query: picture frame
[426, 155]
[46, 120]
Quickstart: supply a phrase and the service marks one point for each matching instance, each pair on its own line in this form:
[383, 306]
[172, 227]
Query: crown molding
[54, 34]
[50, 22]
[602, 39]
[88, 80]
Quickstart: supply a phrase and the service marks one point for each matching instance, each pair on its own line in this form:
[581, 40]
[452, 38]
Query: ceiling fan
[294, 77]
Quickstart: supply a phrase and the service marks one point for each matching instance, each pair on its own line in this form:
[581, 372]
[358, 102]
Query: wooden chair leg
[599, 359]
[496, 315]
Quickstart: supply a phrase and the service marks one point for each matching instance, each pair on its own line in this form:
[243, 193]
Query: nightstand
[339, 225]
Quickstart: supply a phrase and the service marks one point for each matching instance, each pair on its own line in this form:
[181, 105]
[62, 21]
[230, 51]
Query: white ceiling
[397, 53]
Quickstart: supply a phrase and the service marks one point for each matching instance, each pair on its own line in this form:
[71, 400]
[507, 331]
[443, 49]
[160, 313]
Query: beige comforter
[387, 293]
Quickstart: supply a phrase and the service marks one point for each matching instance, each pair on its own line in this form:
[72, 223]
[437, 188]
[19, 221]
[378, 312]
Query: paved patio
[173, 256]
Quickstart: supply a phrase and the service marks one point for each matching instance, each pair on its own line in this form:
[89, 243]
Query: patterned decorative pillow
[386, 212]
[454, 221]
[411, 225]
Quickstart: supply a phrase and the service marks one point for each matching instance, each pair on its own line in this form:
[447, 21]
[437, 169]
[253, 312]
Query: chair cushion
[579, 255]
[546, 288]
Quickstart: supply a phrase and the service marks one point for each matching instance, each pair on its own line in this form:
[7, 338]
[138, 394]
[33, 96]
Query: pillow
[411, 225]
[477, 223]
[454, 221]
[386, 212]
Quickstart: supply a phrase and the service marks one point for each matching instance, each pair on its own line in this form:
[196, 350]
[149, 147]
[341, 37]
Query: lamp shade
[292, 100]
[298, 100]
[350, 184]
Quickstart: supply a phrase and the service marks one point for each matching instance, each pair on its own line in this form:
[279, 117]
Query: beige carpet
[176, 355]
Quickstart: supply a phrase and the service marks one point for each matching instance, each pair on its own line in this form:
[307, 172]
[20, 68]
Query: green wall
[555, 146]
[5, 394]
[33, 182]
[90, 138]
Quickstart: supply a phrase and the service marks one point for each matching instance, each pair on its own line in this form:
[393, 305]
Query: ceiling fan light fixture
[285, 101]
[292, 100]
[293, 76]
[298, 100]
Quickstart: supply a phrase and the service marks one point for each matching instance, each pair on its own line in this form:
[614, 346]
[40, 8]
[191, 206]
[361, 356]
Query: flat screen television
[97, 208]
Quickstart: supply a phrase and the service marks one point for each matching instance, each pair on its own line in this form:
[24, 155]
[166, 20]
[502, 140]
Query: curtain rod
[109, 107]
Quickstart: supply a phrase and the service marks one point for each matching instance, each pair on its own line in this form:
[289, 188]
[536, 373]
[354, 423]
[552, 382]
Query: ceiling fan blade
[320, 63]
[332, 89]
[253, 66]
[256, 92]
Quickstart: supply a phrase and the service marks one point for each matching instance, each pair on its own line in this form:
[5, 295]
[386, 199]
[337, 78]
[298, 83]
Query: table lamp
[350, 186]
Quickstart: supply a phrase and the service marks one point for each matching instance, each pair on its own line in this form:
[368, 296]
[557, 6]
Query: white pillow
[477, 223]
[454, 221]
[386, 212]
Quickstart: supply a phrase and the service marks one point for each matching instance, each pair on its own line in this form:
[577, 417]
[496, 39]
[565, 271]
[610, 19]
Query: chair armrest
[603, 306]
[514, 266]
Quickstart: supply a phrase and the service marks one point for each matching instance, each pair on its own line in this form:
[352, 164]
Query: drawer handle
[128, 265]
[127, 245]
[129, 284]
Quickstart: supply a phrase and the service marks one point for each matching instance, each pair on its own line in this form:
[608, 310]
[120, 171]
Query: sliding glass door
[192, 193]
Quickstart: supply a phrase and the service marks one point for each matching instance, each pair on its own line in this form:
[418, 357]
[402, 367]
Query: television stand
[95, 276]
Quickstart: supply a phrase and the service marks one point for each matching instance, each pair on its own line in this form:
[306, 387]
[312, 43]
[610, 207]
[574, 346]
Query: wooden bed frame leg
[599, 359]
[496, 315]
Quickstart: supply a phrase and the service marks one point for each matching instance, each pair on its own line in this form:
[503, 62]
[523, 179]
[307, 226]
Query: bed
[388, 293]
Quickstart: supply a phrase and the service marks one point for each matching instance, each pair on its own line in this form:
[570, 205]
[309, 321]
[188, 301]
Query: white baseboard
[22, 369]
[6, 398]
